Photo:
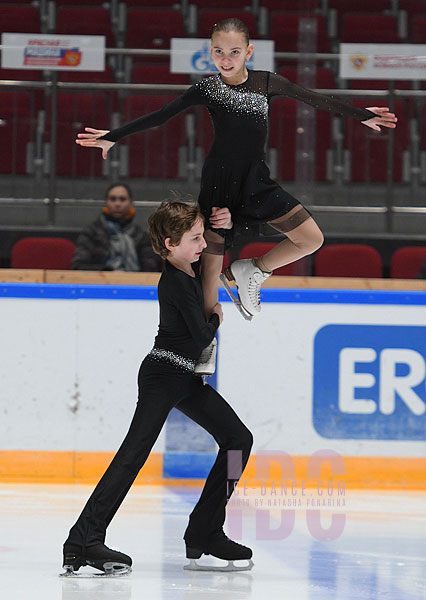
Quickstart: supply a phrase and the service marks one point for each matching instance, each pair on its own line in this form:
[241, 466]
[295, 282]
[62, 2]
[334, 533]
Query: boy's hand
[217, 308]
[221, 218]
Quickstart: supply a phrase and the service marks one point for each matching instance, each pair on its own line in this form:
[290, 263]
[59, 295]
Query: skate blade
[111, 570]
[231, 566]
[237, 302]
[204, 373]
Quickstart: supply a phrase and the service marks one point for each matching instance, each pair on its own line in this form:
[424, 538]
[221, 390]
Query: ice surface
[381, 553]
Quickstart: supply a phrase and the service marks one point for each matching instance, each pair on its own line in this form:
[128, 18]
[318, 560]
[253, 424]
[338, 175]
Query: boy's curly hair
[171, 220]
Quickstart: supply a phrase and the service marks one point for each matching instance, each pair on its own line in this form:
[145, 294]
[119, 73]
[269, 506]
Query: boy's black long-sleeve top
[183, 327]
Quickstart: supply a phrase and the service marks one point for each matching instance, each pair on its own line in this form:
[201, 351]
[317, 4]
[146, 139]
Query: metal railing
[390, 194]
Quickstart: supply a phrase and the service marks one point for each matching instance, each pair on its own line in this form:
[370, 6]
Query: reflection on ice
[380, 554]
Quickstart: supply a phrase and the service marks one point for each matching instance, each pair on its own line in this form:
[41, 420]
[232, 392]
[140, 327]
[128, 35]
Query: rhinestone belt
[159, 354]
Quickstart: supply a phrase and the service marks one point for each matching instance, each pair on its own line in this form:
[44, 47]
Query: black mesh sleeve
[280, 86]
[190, 98]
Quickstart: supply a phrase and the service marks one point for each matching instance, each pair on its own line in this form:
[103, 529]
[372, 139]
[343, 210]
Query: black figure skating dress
[235, 174]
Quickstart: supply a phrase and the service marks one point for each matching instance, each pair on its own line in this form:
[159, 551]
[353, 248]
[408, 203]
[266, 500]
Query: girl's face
[229, 51]
[190, 246]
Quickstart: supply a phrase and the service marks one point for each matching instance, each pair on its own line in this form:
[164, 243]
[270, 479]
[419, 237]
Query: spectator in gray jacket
[114, 242]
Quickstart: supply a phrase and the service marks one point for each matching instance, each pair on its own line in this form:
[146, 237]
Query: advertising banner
[192, 55]
[382, 61]
[53, 52]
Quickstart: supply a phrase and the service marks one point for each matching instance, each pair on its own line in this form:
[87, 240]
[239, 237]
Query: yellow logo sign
[358, 61]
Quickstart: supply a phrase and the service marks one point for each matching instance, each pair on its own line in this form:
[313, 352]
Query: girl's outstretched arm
[102, 138]
[280, 86]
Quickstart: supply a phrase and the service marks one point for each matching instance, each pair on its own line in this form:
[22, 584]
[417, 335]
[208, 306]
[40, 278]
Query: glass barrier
[328, 162]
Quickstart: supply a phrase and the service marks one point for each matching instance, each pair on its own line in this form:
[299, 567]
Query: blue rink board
[131, 292]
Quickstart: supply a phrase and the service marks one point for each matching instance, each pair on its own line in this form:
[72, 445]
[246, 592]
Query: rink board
[318, 370]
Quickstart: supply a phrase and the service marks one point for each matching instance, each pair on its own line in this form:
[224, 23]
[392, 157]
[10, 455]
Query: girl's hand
[217, 308]
[91, 140]
[221, 218]
[384, 118]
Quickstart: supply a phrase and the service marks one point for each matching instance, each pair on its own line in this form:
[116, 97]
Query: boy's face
[191, 245]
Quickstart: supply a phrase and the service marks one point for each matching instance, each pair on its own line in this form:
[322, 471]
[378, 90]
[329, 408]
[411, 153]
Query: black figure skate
[111, 562]
[219, 546]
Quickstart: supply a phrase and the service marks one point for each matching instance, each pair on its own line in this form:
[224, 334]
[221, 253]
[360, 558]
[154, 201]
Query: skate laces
[255, 281]
[207, 353]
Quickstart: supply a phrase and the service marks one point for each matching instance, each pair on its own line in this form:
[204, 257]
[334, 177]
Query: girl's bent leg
[207, 408]
[305, 238]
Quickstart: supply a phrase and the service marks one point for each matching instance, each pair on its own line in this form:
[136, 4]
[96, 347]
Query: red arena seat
[16, 129]
[19, 19]
[260, 248]
[413, 7]
[284, 30]
[419, 29]
[324, 78]
[360, 5]
[343, 7]
[406, 262]
[291, 5]
[157, 73]
[374, 28]
[149, 28]
[85, 21]
[282, 137]
[348, 260]
[21, 74]
[238, 5]
[367, 147]
[86, 2]
[42, 253]
[76, 111]
[154, 153]
[150, 3]
[378, 84]
[416, 13]
[88, 76]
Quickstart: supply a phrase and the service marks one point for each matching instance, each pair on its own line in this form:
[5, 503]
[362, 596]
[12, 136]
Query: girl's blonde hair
[171, 220]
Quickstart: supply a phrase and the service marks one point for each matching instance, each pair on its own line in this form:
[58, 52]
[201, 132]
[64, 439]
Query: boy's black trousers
[162, 387]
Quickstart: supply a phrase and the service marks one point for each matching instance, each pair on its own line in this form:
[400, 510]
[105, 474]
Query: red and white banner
[53, 52]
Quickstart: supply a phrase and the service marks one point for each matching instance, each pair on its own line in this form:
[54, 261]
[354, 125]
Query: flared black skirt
[246, 188]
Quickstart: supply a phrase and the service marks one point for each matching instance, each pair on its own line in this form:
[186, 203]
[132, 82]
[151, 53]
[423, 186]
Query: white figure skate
[206, 364]
[248, 279]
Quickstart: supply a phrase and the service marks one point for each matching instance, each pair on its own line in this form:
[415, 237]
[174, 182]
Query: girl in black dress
[167, 380]
[235, 175]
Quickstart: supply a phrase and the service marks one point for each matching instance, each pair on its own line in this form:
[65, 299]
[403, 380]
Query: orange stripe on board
[357, 472]
[87, 467]
[67, 467]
